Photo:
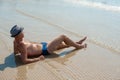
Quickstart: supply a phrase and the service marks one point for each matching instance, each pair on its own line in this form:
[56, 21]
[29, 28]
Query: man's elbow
[24, 61]
[15, 53]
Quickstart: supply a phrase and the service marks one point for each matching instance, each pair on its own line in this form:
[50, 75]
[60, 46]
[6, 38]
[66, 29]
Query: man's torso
[31, 48]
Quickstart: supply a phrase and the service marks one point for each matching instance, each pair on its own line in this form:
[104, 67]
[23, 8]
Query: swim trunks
[44, 49]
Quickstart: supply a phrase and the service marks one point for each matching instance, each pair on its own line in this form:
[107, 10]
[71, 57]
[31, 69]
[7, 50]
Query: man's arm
[15, 48]
[24, 57]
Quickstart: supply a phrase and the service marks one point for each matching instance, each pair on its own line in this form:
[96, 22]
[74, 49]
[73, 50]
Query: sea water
[99, 20]
[106, 27]
[103, 21]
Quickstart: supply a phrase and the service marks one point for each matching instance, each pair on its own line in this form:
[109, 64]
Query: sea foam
[101, 5]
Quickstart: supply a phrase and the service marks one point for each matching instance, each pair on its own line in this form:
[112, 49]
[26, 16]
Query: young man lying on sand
[26, 48]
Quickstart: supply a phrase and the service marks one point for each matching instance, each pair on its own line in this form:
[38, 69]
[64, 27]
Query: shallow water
[101, 26]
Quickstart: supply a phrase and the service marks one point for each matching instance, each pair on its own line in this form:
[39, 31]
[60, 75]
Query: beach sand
[93, 63]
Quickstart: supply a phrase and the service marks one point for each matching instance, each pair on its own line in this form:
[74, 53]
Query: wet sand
[92, 63]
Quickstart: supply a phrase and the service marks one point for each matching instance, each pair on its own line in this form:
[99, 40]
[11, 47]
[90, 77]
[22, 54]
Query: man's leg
[82, 40]
[62, 42]
[63, 45]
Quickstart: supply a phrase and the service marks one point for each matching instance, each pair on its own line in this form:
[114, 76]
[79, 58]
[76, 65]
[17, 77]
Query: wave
[100, 5]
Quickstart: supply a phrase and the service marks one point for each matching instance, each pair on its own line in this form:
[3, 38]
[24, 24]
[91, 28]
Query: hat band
[16, 34]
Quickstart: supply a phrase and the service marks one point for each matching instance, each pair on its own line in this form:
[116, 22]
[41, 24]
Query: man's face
[21, 35]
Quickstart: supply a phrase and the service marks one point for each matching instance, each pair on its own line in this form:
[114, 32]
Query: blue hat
[16, 30]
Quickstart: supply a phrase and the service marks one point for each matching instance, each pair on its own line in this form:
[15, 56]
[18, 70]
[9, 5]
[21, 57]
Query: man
[26, 48]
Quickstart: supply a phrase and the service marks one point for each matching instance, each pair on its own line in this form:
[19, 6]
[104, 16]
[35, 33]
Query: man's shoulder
[20, 43]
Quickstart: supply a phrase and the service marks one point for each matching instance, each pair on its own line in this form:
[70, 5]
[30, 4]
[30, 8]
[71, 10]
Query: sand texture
[93, 63]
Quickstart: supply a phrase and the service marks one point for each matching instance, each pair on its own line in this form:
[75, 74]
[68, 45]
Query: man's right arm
[15, 48]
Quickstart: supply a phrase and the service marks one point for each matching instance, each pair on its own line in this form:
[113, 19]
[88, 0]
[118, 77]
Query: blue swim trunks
[44, 49]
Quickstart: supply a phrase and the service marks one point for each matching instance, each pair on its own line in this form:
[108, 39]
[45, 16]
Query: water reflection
[15, 63]
[9, 62]
[21, 73]
[23, 69]
[63, 56]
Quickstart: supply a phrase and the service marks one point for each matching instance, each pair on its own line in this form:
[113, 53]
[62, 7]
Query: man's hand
[42, 57]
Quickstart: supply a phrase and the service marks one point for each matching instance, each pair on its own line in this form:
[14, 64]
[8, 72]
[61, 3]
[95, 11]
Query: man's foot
[82, 40]
[82, 46]
[85, 45]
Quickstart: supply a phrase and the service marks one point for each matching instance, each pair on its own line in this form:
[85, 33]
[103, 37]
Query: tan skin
[26, 48]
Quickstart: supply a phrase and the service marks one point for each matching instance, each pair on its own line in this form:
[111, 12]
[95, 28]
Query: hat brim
[21, 29]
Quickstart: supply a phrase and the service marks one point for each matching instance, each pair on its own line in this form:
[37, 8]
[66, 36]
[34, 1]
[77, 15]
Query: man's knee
[62, 36]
